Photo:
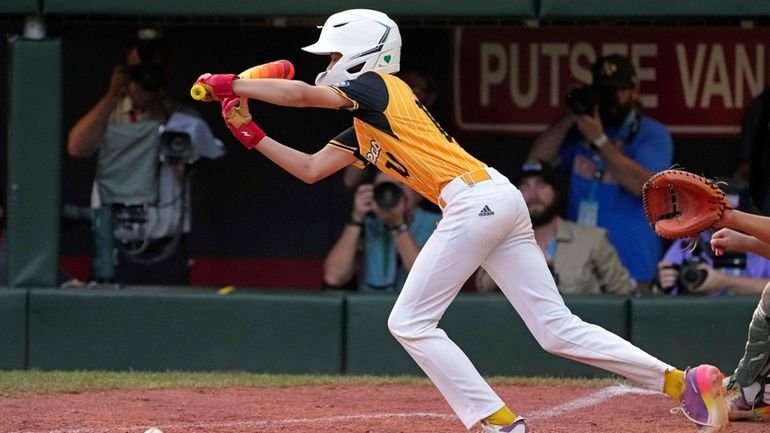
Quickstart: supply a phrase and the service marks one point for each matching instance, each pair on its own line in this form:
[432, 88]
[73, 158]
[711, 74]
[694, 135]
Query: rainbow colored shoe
[703, 401]
[518, 426]
[738, 408]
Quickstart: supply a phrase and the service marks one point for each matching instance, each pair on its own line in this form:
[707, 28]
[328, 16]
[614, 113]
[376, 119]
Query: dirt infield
[339, 409]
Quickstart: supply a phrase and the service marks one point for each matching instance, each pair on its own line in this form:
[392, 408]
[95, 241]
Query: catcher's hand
[679, 204]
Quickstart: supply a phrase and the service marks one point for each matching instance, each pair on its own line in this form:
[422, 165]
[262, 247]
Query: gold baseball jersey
[394, 131]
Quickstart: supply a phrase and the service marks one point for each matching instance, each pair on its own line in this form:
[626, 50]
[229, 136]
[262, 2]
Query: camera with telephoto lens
[175, 148]
[582, 100]
[387, 195]
[690, 275]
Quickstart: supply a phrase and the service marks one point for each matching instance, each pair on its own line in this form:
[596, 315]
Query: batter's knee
[405, 328]
[550, 338]
[398, 327]
[553, 344]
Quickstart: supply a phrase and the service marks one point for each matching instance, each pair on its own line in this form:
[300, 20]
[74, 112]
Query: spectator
[147, 203]
[754, 154]
[580, 257]
[609, 148]
[387, 228]
[688, 267]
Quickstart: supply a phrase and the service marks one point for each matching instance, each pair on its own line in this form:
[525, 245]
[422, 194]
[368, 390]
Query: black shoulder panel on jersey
[347, 140]
[371, 93]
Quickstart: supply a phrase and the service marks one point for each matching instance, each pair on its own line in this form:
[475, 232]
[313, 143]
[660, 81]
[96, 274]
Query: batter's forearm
[296, 163]
[308, 168]
[274, 91]
[289, 93]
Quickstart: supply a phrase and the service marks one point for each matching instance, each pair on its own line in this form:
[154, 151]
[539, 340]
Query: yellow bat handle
[198, 92]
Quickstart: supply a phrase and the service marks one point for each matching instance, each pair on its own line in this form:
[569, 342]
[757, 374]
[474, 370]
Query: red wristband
[250, 134]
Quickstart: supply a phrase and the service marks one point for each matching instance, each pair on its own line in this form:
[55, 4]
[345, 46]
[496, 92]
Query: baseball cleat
[703, 401]
[738, 408]
[518, 426]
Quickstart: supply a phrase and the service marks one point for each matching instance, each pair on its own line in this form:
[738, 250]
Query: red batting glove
[239, 121]
[218, 86]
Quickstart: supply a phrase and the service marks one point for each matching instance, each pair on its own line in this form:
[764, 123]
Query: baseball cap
[537, 168]
[615, 71]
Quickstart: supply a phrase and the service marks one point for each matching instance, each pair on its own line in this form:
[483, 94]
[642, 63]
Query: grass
[25, 382]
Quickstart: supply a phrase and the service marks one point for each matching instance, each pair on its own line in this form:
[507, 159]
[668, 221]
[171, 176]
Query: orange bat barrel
[278, 69]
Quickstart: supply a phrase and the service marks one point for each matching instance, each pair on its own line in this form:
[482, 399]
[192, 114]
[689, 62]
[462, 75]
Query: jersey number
[393, 164]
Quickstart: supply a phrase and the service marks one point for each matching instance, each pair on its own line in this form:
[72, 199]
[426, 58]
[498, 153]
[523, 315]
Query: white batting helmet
[368, 41]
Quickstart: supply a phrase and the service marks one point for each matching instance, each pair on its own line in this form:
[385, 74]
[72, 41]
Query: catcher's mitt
[679, 204]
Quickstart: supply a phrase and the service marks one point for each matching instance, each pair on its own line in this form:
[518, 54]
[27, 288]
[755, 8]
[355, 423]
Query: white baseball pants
[504, 244]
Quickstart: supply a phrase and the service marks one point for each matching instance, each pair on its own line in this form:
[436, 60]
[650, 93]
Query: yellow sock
[503, 416]
[673, 384]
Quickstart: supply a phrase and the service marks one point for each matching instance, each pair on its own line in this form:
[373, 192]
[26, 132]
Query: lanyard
[551, 249]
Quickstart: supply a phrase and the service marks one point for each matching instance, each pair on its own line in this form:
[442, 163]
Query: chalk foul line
[594, 399]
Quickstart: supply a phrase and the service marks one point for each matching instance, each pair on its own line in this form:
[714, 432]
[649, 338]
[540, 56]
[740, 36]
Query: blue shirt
[620, 212]
[383, 272]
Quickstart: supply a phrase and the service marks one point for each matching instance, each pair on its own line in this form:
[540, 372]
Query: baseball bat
[283, 69]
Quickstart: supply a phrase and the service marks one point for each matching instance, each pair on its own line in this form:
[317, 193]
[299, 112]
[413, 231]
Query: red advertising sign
[696, 80]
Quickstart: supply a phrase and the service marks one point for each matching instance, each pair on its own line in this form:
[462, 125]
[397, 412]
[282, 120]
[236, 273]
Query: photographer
[696, 270]
[378, 245]
[144, 145]
[609, 149]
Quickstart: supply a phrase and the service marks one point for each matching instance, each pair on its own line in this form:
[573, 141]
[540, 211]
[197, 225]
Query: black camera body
[582, 100]
[176, 148]
[387, 195]
[690, 275]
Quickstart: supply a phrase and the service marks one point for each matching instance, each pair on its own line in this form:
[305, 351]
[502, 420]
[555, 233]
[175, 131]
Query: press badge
[588, 212]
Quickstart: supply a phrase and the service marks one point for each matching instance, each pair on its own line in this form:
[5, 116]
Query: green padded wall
[143, 330]
[687, 331]
[653, 8]
[13, 329]
[19, 6]
[34, 162]
[250, 8]
[369, 347]
[486, 327]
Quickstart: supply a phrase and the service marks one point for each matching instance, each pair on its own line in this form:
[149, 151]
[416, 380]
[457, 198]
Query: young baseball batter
[485, 222]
